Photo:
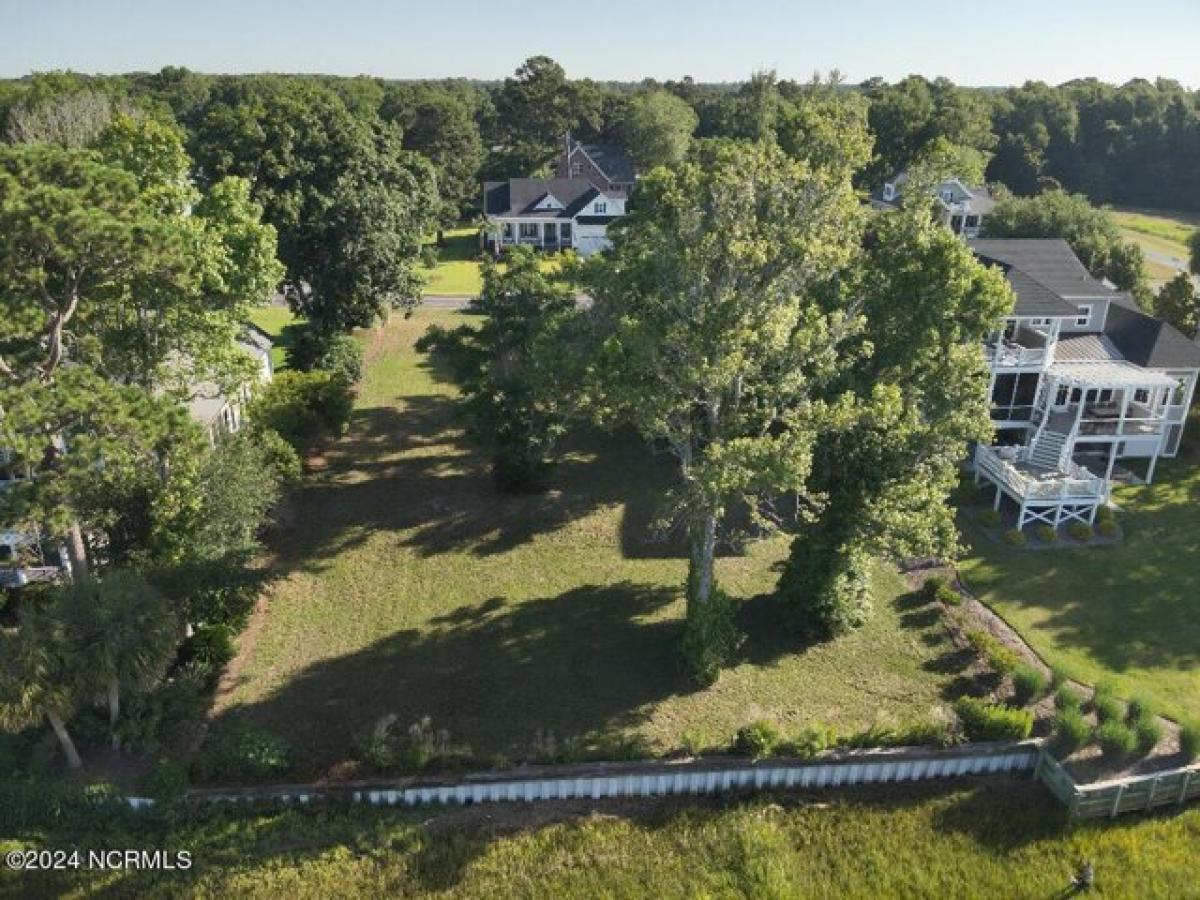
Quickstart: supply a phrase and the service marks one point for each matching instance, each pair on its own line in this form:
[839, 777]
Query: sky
[999, 43]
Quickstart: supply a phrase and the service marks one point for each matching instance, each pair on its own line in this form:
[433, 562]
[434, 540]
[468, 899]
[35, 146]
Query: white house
[550, 214]
[220, 413]
[1080, 379]
[963, 207]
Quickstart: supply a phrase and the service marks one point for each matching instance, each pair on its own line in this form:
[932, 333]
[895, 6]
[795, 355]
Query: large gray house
[1081, 379]
[550, 213]
[963, 207]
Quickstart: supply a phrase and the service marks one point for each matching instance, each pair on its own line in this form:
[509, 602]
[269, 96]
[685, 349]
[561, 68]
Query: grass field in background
[1162, 232]
[999, 837]
[409, 585]
[1128, 612]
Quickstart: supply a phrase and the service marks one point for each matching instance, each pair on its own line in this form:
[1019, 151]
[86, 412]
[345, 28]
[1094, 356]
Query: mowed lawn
[1129, 612]
[408, 585]
[458, 272]
[1158, 232]
[985, 839]
[275, 320]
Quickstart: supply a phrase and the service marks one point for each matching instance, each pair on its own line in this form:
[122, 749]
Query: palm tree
[123, 633]
[38, 679]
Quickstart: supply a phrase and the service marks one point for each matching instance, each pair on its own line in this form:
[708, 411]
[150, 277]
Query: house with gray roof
[1080, 379]
[550, 213]
[607, 166]
[962, 207]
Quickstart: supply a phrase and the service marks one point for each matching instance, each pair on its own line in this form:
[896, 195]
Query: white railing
[1073, 483]
[1109, 799]
[1014, 356]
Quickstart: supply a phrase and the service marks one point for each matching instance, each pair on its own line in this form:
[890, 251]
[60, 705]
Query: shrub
[1047, 534]
[1105, 514]
[1107, 708]
[249, 753]
[756, 740]
[1117, 740]
[1028, 684]
[416, 747]
[989, 518]
[710, 638]
[168, 780]
[1081, 531]
[983, 721]
[301, 405]
[1058, 677]
[694, 741]
[336, 353]
[939, 589]
[811, 741]
[1189, 740]
[1071, 731]
[1107, 529]
[1002, 659]
[279, 456]
[207, 651]
[1139, 708]
[1066, 697]
[1148, 733]
[429, 256]
[1014, 537]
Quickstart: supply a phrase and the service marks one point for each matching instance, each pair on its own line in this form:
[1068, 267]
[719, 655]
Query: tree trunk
[77, 551]
[68, 745]
[114, 710]
[703, 554]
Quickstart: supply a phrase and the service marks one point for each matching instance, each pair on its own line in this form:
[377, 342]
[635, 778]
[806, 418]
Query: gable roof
[1036, 273]
[1148, 341]
[520, 196]
[978, 197]
[613, 161]
[1050, 261]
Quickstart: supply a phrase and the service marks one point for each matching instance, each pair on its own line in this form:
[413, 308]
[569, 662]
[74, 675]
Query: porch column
[1153, 463]
[1112, 461]
[1124, 411]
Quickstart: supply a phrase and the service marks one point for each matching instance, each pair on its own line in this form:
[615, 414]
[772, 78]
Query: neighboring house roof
[1148, 341]
[613, 161]
[976, 199]
[207, 399]
[1050, 261]
[521, 196]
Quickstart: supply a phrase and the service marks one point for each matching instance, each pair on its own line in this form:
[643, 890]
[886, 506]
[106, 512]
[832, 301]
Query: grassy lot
[409, 585]
[458, 273]
[1161, 232]
[275, 320]
[1002, 838]
[1128, 612]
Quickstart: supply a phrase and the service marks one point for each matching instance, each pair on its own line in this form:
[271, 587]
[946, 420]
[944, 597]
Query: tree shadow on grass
[596, 658]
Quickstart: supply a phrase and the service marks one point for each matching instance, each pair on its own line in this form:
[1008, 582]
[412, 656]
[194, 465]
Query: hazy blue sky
[998, 42]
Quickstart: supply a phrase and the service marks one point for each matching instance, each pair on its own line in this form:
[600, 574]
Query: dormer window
[600, 208]
[1084, 319]
[889, 191]
[948, 195]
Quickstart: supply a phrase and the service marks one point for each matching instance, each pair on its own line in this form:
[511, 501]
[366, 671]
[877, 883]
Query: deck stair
[1048, 449]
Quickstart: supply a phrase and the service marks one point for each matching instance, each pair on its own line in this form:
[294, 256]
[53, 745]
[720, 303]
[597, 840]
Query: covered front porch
[544, 234]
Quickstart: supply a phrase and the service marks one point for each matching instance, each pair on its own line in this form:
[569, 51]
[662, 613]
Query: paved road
[1173, 262]
[441, 302]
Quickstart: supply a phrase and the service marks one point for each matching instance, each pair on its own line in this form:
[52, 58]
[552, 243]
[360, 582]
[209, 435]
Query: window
[972, 221]
[1060, 399]
[529, 229]
[889, 191]
[601, 207]
[1141, 396]
[956, 224]
[564, 232]
[948, 195]
[576, 169]
[1084, 318]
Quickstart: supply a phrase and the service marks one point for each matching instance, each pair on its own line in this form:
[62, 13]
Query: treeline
[1134, 144]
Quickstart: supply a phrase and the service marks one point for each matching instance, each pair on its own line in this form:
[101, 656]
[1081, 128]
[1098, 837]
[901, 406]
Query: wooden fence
[605, 780]
[1111, 798]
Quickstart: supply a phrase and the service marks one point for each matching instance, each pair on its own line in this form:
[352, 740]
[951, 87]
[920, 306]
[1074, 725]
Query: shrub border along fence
[1139, 793]
[596, 781]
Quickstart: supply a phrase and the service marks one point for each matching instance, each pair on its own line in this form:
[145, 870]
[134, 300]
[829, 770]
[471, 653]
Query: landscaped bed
[525, 625]
[1129, 612]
